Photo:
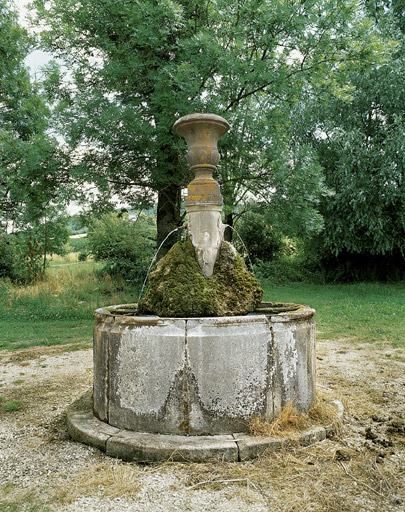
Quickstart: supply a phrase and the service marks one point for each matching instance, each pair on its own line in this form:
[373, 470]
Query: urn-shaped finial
[202, 132]
[204, 201]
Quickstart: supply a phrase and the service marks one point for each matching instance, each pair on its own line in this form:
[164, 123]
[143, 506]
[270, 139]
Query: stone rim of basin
[280, 309]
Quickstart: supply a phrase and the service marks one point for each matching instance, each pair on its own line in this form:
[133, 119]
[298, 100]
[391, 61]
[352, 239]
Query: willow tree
[131, 67]
[358, 136]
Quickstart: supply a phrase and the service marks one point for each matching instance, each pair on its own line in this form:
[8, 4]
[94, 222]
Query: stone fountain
[184, 384]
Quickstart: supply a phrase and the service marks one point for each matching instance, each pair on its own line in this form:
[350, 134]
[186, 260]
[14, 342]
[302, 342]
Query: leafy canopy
[133, 67]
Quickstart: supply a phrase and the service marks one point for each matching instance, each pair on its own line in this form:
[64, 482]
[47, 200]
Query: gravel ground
[361, 469]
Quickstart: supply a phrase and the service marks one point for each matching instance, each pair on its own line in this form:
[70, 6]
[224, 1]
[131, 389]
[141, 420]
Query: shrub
[78, 244]
[23, 254]
[7, 256]
[20, 258]
[82, 255]
[127, 246]
[262, 241]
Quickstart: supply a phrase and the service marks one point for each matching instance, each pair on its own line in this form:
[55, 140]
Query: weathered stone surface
[178, 287]
[145, 364]
[312, 435]
[84, 427]
[145, 447]
[206, 232]
[101, 337]
[202, 376]
[204, 201]
[294, 370]
[230, 363]
[251, 447]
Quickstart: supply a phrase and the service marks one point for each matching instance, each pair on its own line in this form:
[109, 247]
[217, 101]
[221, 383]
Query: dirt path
[361, 469]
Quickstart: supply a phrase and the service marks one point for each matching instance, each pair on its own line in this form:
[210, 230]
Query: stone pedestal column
[204, 200]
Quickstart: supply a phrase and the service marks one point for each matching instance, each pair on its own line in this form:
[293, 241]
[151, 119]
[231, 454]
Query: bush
[20, 258]
[7, 256]
[352, 268]
[23, 254]
[126, 245]
[260, 238]
[78, 244]
[299, 264]
[83, 255]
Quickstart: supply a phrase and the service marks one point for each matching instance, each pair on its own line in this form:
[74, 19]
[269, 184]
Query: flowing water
[154, 258]
[244, 245]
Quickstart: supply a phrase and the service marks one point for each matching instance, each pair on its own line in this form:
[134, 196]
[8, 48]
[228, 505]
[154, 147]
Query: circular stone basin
[201, 376]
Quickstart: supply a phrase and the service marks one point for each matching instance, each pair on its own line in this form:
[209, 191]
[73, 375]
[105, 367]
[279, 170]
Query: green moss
[178, 288]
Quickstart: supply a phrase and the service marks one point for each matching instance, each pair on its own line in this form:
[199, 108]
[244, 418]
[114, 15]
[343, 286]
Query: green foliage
[20, 258]
[53, 232]
[127, 245]
[23, 254]
[296, 262]
[137, 69]
[284, 270]
[262, 240]
[34, 173]
[83, 255]
[7, 256]
[78, 244]
[11, 405]
[76, 225]
[359, 138]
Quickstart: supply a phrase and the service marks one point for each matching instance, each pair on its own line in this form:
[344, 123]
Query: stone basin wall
[201, 376]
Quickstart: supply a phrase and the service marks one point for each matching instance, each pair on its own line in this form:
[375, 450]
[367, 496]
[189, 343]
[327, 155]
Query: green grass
[11, 405]
[20, 334]
[365, 312]
[59, 309]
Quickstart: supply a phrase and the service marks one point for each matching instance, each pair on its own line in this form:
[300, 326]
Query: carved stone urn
[204, 201]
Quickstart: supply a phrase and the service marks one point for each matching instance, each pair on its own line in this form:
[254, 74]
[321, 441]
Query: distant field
[59, 309]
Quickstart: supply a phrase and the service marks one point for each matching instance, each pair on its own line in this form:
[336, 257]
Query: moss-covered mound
[178, 288]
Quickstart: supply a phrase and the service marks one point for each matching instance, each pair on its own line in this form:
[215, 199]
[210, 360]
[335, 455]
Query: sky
[37, 58]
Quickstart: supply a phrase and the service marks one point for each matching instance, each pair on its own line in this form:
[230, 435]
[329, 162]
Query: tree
[34, 168]
[359, 137]
[136, 66]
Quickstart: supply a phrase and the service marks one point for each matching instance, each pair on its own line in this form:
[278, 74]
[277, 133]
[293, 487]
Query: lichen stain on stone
[178, 288]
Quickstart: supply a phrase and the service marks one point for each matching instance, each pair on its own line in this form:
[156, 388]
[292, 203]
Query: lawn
[366, 312]
[58, 310]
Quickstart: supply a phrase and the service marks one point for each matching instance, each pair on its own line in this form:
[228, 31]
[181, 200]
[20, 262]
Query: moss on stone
[178, 288]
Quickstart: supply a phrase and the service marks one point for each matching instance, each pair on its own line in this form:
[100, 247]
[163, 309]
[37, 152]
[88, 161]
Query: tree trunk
[45, 245]
[228, 233]
[168, 217]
